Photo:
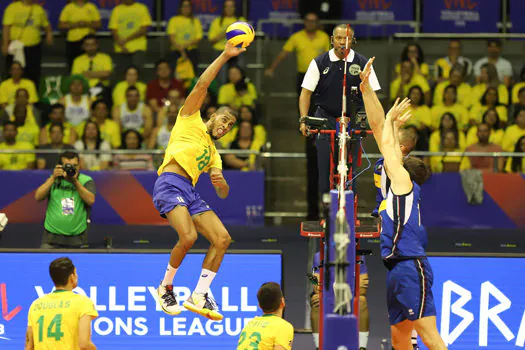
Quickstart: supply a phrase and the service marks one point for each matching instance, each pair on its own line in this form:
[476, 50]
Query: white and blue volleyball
[240, 34]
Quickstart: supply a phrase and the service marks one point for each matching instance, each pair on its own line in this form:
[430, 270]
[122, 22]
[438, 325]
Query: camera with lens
[70, 170]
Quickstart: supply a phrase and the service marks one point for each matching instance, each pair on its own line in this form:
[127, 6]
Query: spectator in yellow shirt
[28, 131]
[489, 78]
[421, 115]
[56, 142]
[185, 32]
[22, 23]
[517, 164]
[57, 115]
[407, 79]
[92, 140]
[491, 119]
[490, 99]
[18, 161]
[245, 113]
[9, 87]
[456, 78]
[131, 78]
[129, 23]
[445, 64]
[514, 108]
[448, 123]
[79, 18]
[448, 143]
[93, 65]
[238, 91]
[514, 132]
[109, 129]
[517, 89]
[450, 105]
[413, 53]
[22, 98]
[243, 141]
[307, 44]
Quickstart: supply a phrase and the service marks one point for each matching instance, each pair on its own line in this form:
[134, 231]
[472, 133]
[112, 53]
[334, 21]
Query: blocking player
[269, 331]
[61, 320]
[190, 152]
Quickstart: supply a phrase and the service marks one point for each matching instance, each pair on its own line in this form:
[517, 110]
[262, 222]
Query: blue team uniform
[403, 240]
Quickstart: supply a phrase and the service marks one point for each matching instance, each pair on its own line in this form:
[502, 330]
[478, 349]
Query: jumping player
[190, 152]
[269, 331]
[61, 319]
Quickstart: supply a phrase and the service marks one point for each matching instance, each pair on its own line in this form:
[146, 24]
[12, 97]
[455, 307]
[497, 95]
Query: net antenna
[342, 290]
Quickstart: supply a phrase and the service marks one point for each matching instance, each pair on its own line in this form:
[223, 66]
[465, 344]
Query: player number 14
[56, 324]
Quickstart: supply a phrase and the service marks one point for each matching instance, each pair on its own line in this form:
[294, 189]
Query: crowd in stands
[464, 107]
[87, 111]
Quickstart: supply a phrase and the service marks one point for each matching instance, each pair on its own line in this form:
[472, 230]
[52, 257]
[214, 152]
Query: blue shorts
[172, 190]
[409, 290]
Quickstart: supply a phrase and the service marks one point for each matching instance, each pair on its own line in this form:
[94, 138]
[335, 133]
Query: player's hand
[314, 300]
[217, 180]
[365, 75]
[58, 171]
[232, 51]
[400, 112]
[303, 129]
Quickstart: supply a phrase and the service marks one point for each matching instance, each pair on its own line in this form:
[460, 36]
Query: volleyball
[240, 34]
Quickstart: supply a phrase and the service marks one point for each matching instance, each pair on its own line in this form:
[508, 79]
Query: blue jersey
[382, 184]
[402, 235]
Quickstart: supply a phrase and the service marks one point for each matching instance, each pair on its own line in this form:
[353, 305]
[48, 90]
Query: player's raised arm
[374, 110]
[399, 177]
[196, 98]
[30, 345]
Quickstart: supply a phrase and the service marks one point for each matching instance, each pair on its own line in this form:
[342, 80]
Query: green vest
[66, 212]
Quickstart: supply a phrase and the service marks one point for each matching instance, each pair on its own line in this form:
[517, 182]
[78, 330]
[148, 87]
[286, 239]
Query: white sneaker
[204, 305]
[168, 300]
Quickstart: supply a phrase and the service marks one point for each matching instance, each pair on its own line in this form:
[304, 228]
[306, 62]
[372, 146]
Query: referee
[324, 79]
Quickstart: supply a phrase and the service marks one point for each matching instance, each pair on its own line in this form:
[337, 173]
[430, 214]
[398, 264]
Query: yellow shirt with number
[457, 110]
[511, 136]
[8, 90]
[191, 147]
[464, 93]
[216, 28]
[73, 13]
[185, 30]
[119, 92]
[25, 21]
[306, 49]
[17, 161]
[265, 332]
[127, 20]
[417, 79]
[101, 62]
[54, 319]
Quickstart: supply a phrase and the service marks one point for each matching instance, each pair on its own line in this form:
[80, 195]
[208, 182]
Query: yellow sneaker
[204, 305]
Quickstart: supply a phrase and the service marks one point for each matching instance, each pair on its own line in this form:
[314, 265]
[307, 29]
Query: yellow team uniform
[421, 115]
[306, 48]
[435, 141]
[477, 111]
[25, 21]
[185, 30]
[119, 92]
[417, 79]
[479, 89]
[496, 136]
[508, 165]
[109, 131]
[217, 27]
[100, 62]
[464, 92]
[17, 161]
[423, 68]
[436, 162]
[259, 136]
[266, 331]
[459, 112]
[127, 20]
[54, 319]
[511, 136]
[29, 133]
[191, 147]
[67, 132]
[515, 92]
[228, 96]
[8, 90]
[73, 13]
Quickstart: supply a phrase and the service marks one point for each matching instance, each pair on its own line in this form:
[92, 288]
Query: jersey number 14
[54, 330]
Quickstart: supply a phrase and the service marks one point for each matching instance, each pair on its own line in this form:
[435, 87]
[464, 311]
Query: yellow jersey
[464, 93]
[457, 110]
[423, 68]
[496, 136]
[515, 92]
[266, 331]
[421, 115]
[185, 30]
[437, 162]
[435, 141]
[67, 132]
[306, 48]
[477, 111]
[18, 161]
[229, 96]
[25, 21]
[191, 147]
[127, 20]
[479, 89]
[511, 136]
[29, 133]
[84, 63]
[8, 90]
[259, 136]
[73, 13]
[54, 319]
[217, 26]
[508, 165]
[119, 92]
[417, 79]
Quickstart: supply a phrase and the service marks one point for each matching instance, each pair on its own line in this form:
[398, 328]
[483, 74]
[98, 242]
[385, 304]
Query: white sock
[363, 339]
[205, 280]
[316, 339]
[168, 276]
[414, 337]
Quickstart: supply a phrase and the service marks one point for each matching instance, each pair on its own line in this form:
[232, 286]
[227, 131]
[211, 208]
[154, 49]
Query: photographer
[70, 196]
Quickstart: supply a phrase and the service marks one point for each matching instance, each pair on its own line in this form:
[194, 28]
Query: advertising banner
[480, 302]
[123, 290]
